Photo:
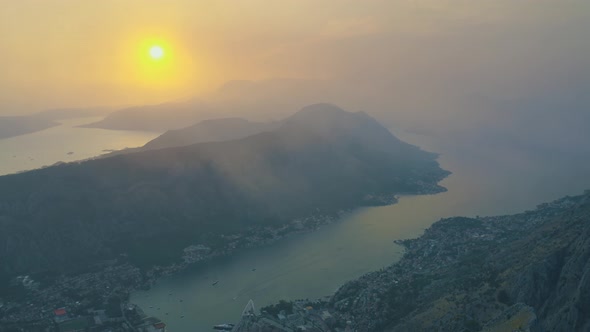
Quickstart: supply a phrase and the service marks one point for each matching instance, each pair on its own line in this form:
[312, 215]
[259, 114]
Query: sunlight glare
[156, 52]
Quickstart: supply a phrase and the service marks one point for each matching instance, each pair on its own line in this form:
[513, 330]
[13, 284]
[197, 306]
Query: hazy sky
[407, 54]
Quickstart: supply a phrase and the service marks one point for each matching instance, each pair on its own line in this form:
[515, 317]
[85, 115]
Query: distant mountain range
[213, 130]
[11, 126]
[265, 100]
[160, 117]
[149, 205]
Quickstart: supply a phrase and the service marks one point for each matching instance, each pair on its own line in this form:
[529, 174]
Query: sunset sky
[72, 53]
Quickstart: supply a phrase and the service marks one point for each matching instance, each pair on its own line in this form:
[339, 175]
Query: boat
[223, 327]
[215, 283]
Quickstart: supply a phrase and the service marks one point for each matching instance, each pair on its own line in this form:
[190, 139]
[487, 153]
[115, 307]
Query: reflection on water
[64, 143]
[316, 264]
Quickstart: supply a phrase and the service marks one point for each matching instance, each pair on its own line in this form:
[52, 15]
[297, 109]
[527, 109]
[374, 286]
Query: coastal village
[98, 301]
[300, 315]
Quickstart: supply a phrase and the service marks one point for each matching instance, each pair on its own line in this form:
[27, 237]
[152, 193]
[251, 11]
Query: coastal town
[299, 315]
[91, 300]
[99, 300]
[444, 259]
[86, 297]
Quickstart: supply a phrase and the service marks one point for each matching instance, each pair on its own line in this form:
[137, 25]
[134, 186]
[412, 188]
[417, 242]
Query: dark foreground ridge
[83, 235]
[524, 272]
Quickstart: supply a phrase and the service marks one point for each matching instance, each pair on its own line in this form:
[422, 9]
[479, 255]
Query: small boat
[224, 327]
[215, 283]
[254, 269]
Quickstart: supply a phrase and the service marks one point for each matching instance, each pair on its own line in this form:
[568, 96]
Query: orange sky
[67, 53]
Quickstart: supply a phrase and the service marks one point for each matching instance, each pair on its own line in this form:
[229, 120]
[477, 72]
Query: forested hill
[152, 204]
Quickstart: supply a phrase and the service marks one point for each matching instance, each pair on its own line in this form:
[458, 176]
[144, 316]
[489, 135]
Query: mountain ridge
[210, 130]
[125, 204]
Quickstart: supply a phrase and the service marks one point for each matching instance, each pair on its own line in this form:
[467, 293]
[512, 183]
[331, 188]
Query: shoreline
[443, 259]
[118, 279]
[295, 227]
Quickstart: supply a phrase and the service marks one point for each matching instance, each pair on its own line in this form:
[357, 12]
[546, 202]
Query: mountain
[160, 117]
[274, 98]
[265, 100]
[11, 126]
[150, 205]
[69, 113]
[214, 130]
[524, 272]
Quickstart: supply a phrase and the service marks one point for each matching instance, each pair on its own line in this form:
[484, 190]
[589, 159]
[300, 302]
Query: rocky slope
[526, 272]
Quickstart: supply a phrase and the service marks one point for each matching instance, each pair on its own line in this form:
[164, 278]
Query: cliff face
[557, 282]
[526, 272]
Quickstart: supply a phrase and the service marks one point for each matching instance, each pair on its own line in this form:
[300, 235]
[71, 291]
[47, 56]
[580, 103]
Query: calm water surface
[315, 264]
[49, 146]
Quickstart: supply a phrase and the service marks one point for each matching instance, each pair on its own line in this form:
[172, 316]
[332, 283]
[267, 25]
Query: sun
[156, 52]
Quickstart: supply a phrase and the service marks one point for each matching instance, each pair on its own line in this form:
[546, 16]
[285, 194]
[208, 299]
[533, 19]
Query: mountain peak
[321, 107]
[320, 114]
[330, 120]
[328, 111]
